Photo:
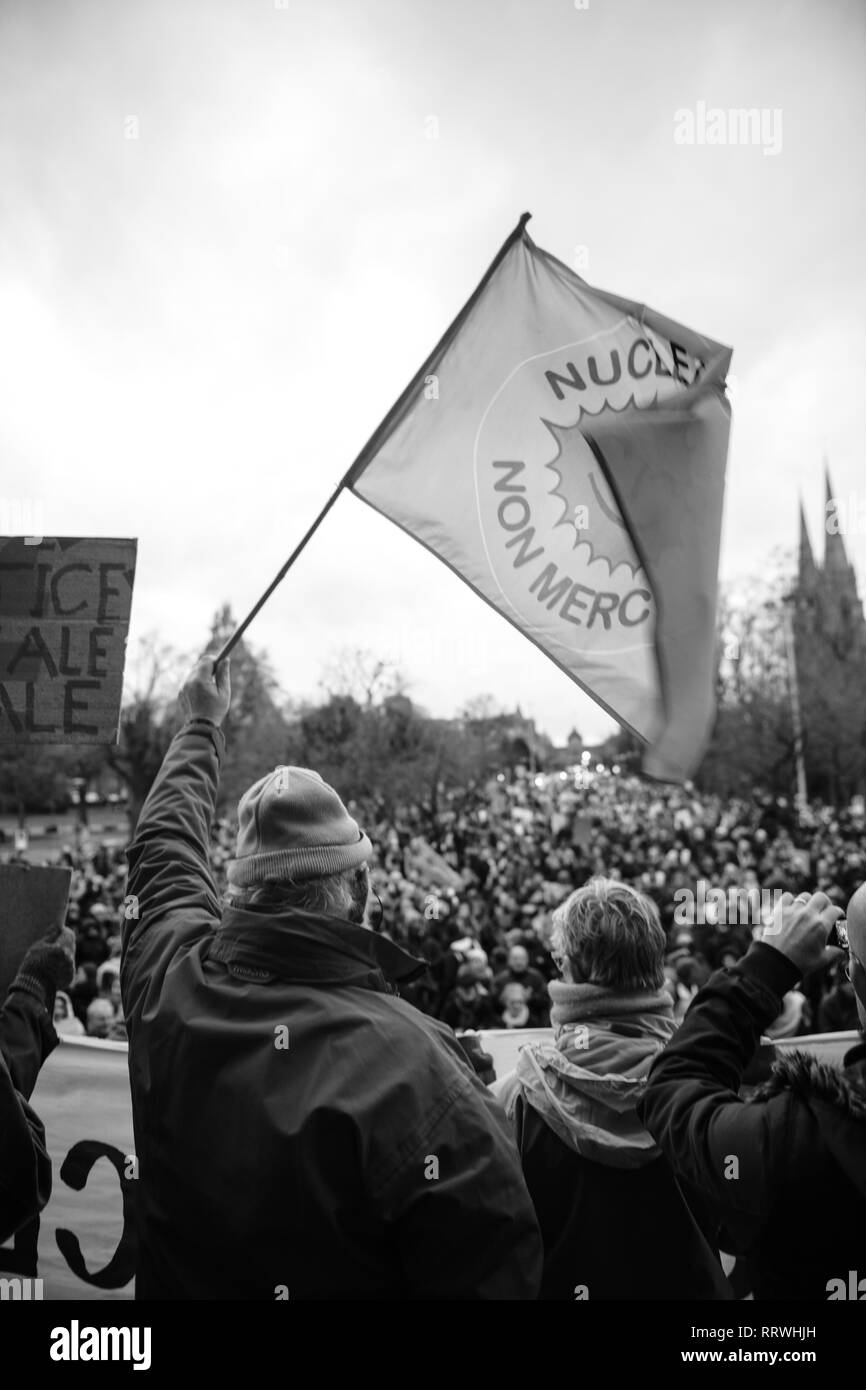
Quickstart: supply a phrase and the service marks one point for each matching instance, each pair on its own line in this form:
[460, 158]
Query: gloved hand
[49, 965]
[480, 1061]
[206, 694]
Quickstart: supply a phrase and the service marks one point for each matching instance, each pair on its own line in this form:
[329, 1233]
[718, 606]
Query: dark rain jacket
[27, 1037]
[301, 1131]
[784, 1172]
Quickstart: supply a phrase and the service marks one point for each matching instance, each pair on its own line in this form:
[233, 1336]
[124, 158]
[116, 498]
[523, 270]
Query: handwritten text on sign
[64, 618]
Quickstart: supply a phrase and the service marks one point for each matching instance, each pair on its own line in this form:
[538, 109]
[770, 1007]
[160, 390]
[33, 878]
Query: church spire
[836, 564]
[807, 568]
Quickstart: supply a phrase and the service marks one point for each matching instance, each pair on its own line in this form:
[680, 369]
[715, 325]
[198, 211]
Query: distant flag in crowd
[426, 866]
[563, 450]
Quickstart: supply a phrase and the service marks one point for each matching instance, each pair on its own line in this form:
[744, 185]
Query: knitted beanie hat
[292, 825]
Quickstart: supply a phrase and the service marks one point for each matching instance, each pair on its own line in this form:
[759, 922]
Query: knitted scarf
[586, 1082]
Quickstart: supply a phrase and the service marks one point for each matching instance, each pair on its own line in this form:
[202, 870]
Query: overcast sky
[200, 326]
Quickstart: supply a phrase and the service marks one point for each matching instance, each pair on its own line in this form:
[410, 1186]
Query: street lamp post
[80, 783]
[793, 686]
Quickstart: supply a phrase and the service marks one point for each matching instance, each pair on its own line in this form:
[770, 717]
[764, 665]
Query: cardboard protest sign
[32, 901]
[64, 617]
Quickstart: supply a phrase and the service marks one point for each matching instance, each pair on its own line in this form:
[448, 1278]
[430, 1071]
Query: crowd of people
[470, 884]
[519, 845]
[302, 990]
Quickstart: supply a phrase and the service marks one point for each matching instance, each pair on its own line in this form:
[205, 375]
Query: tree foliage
[367, 737]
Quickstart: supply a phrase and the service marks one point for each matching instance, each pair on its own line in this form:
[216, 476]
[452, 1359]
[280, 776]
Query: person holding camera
[783, 1172]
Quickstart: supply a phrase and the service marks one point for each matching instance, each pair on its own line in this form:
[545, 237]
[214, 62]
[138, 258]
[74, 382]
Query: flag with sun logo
[563, 451]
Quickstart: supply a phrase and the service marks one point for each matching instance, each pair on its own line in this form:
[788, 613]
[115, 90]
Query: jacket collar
[311, 948]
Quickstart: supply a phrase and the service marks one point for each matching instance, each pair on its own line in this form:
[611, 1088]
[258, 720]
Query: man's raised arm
[691, 1105]
[169, 857]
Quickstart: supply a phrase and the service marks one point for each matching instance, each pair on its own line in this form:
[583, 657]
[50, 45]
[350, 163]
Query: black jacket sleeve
[172, 898]
[27, 1037]
[731, 1152]
[169, 857]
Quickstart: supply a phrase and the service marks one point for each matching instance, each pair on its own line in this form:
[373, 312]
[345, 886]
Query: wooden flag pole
[375, 439]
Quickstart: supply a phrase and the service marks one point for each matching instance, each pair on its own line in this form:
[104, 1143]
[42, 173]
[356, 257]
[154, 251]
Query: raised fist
[206, 695]
[51, 960]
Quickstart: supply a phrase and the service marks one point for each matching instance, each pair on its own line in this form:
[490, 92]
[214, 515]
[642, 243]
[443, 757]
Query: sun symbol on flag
[588, 505]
